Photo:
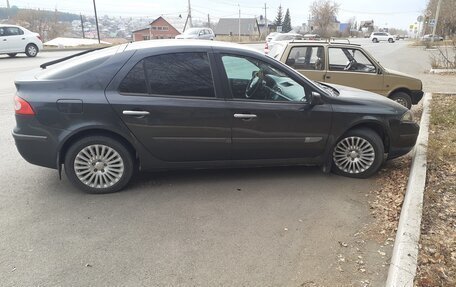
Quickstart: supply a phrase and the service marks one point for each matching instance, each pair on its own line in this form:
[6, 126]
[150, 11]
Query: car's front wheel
[403, 99]
[359, 153]
[31, 50]
[391, 40]
[375, 40]
[99, 164]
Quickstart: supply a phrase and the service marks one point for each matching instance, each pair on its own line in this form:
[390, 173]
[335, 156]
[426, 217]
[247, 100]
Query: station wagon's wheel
[12, 55]
[99, 164]
[402, 98]
[31, 50]
[359, 153]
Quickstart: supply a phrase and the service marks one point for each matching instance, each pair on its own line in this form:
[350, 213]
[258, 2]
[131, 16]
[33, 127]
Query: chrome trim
[135, 113]
[245, 116]
[28, 137]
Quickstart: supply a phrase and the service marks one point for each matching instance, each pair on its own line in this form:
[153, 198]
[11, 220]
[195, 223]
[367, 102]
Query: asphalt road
[240, 227]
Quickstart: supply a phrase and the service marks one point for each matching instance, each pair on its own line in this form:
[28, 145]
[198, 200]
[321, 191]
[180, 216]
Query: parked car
[381, 36]
[197, 33]
[349, 65]
[178, 104]
[270, 36]
[16, 39]
[281, 37]
[429, 37]
[311, 37]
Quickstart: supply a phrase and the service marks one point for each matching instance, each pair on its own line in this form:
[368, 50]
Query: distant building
[367, 27]
[159, 29]
[230, 27]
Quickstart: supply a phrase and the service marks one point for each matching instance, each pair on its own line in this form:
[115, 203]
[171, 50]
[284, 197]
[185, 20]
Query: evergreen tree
[279, 18]
[286, 25]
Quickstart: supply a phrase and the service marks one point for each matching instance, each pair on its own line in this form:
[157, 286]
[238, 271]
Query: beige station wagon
[348, 65]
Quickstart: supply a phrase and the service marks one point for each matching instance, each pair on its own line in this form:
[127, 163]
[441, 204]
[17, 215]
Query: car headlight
[407, 117]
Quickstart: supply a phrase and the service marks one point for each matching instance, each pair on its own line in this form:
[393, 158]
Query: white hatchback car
[381, 36]
[16, 39]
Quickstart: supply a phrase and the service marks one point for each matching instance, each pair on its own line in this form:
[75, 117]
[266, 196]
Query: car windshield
[192, 31]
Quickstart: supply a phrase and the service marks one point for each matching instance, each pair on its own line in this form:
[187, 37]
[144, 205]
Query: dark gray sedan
[172, 104]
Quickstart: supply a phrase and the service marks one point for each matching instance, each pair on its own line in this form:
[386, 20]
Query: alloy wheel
[98, 166]
[354, 155]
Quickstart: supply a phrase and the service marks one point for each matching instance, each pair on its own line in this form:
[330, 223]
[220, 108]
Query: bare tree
[45, 23]
[324, 14]
[446, 25]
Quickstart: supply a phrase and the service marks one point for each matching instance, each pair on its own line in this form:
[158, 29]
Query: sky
[385, 13]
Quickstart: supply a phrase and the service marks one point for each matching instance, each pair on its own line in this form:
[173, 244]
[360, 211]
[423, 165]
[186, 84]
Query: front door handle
[328, 77]
[135, 113]
[245, 116]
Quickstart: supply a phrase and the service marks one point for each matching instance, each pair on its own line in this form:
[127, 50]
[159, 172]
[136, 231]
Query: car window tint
[270, 84]
[13, 31]
[307, 58]
[135, 81]
[180, 74]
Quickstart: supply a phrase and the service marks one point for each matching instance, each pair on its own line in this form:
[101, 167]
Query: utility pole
[190, 24]
[208, 21]
[239, 22]
[96, 21]
[7, 4]
[266, 20]
[82, 26]
[436, 20]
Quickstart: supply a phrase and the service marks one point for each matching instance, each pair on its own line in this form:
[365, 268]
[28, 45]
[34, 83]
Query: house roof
[225, 26]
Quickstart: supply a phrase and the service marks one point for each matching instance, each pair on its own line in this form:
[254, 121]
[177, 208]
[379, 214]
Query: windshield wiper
[43, 66]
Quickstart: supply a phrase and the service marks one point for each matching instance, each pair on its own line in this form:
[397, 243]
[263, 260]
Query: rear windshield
[276, 51]
[77, 64]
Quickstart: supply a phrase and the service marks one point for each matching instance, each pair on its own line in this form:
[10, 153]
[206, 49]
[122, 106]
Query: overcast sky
[385, 13]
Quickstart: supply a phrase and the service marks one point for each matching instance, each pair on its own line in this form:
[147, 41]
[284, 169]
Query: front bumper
[416, 96]
[403, 138]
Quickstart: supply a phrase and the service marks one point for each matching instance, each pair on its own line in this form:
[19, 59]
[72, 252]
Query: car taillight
[22, 107]
[266, 46]
[39, 37]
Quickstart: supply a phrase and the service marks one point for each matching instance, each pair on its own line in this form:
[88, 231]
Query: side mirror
[379, 71]
[290, 62]
[315, 99]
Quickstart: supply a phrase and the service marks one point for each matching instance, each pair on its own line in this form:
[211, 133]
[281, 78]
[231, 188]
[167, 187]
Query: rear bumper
[36, 149]
[403, 139]
[416, 96]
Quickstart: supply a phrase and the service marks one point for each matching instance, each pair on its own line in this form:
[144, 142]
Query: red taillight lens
[39, 37]
[22, 107]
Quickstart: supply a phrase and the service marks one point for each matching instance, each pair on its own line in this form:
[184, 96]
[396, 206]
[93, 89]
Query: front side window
[252, 79]
[180, 74]
[350, 60]
[307, 58]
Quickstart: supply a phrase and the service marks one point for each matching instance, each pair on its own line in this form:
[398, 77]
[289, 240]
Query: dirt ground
[437, 256]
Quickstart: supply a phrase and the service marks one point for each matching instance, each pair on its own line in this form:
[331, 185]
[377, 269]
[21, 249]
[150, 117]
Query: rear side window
[180, 74]
[307, 58]
[135, 81]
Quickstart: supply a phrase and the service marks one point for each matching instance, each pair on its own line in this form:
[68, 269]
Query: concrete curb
[402, 270]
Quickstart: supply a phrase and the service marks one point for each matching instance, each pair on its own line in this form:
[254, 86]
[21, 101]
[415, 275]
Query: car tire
[402, 98]
[390, 40]
[31, 50]
[12, 55]
[99, 164]
[358, 154]
[375, 40]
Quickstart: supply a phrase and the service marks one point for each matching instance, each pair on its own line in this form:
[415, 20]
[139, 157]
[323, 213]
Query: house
[230, 27]
[159, 29]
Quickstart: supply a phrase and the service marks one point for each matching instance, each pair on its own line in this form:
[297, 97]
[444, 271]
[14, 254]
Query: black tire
[391, 40]
[31, 50]
[12, 55]
[376, 144]
[375, 40]
[114, 185]
[402, 98]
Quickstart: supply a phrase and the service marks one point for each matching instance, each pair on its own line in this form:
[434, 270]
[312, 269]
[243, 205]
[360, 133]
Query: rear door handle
[135, 113]
[245, 116]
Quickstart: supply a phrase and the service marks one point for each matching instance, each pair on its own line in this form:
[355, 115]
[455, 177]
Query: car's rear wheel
[99, 164]
[12, 55]
[359, 153]
[31, 50]
[403, 99]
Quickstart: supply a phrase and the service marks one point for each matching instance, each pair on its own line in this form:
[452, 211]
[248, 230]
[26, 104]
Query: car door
[276, 121]
[15, 39]
[351, 67]
[169, 103]
[308, 60]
